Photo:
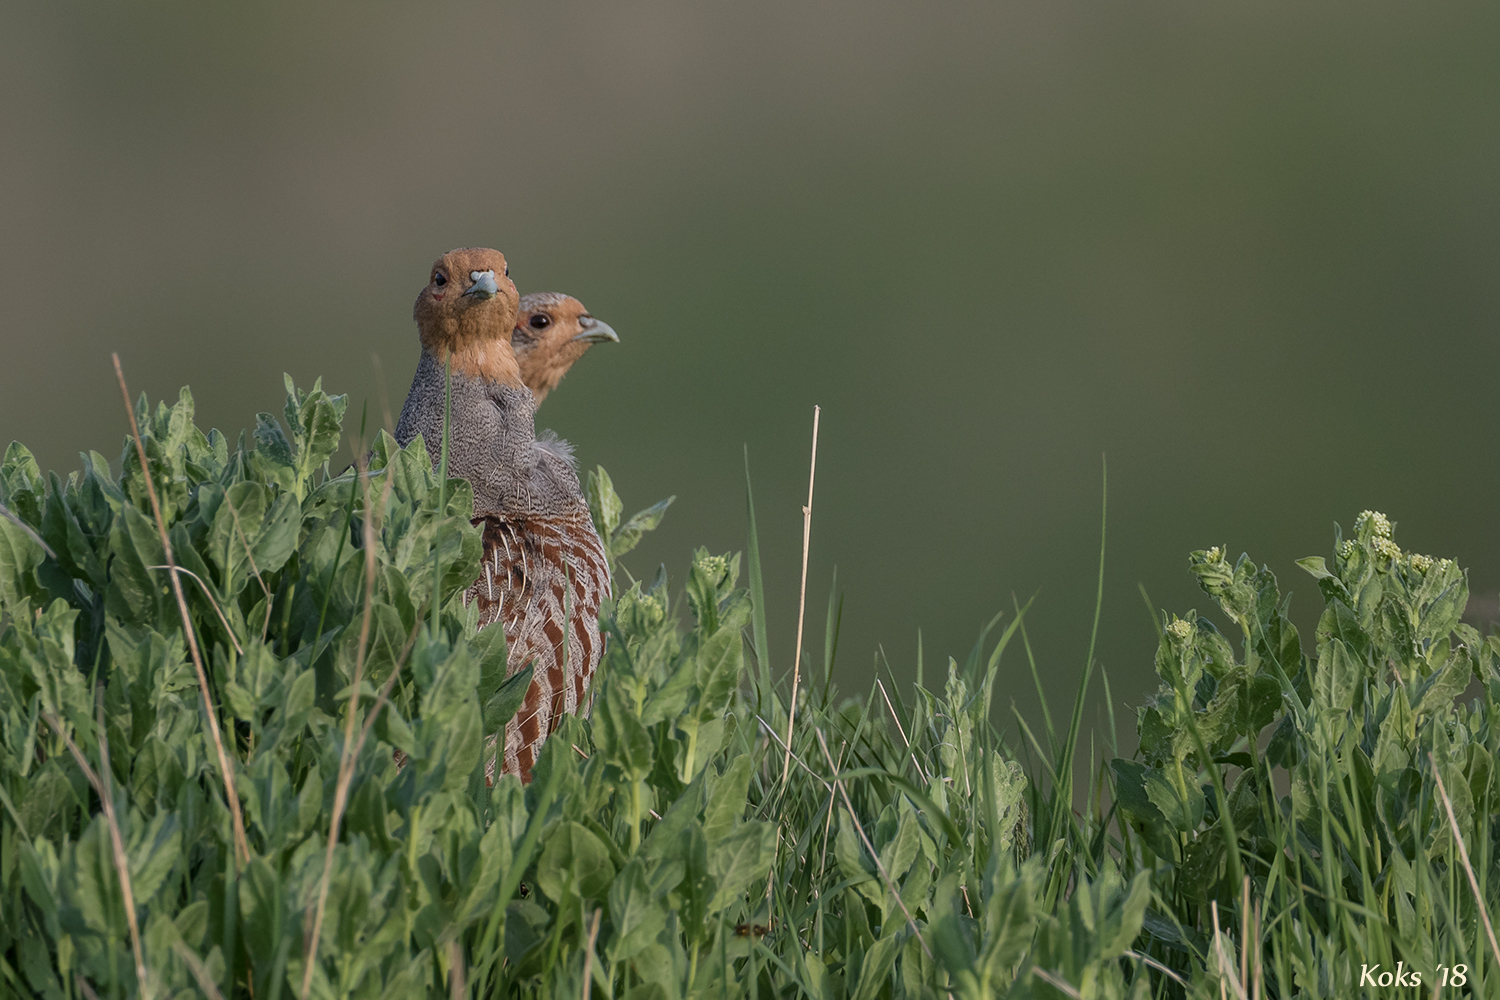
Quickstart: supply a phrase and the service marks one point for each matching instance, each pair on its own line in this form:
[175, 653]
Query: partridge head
[465, 316]
[464, 311]
[552, 332]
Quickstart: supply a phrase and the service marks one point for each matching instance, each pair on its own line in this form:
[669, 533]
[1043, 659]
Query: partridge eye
[507, 270]
[439, 278]
[541, 321]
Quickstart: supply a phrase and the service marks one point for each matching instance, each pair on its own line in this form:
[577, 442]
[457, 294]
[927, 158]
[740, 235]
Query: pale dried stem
[1463, 853]
[890, 883]
[198, 969]
[588, 956]
[15, 519]
[1245, 931]
[791, 714]
[116, 840]
[240, 530]
[900, 729]
[86, 989]
[347, 762]
[1143, 957]
[1057, 982]
[211, 602]
[1257, 966]
[1226, 962]
[772, 733]
[242, 847]
[457, 989]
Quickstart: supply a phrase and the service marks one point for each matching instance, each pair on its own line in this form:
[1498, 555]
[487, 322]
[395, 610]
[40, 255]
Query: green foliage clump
[1278, 832]
[1325, 785]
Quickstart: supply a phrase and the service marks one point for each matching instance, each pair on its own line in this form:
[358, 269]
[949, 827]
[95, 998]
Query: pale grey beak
[484, 286]
[595, 332]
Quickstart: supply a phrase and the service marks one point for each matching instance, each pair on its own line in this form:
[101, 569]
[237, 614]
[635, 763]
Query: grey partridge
[545, 573]
[552, 332]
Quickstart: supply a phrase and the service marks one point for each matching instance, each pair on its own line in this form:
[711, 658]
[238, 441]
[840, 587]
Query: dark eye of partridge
[439, 278]
[540, 321]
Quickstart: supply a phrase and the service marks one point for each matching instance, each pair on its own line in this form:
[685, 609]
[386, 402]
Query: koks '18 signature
[1370, 975]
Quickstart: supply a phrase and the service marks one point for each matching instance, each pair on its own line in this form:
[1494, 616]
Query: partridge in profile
[552, 332]
[545, 572]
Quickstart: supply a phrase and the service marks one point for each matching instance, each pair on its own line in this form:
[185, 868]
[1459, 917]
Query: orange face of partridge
[465, 311]
[552, 332]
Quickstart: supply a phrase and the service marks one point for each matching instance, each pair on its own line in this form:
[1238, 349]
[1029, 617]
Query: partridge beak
[595, 332]
[484, 286]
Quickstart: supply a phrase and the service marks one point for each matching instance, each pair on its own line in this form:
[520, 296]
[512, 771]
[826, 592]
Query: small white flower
[1421, 563]
[1214, 554]
[1180, 629]
[1346, 548]
[1386, 547]
[1377, 521]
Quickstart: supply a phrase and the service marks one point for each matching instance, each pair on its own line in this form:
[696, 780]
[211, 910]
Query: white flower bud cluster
[1214, 554]
[1386, 547]
[1378, 522]
[1180, 629]
[1420, 563]
[1346, 548]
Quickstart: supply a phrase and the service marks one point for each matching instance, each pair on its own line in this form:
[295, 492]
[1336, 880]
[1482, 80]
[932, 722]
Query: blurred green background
[1251, 252]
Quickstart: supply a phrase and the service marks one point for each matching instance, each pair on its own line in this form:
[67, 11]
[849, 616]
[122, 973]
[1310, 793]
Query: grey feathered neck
[492, 443]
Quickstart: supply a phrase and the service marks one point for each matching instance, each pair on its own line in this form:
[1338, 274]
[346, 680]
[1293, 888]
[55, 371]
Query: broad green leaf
[575, 862]
[739, 860]
[727, 804]
[635, 911]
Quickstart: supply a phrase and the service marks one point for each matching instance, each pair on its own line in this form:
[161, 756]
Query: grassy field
[222, 816]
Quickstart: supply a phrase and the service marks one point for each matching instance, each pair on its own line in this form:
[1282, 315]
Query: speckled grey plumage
[492, 443]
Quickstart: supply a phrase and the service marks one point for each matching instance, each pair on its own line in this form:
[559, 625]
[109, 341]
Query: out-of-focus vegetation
[1248, 251]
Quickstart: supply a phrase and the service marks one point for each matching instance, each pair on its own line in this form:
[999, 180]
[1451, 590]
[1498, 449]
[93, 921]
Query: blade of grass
[1063, 804]
[890, 885]
[757, 593]
[831, 631]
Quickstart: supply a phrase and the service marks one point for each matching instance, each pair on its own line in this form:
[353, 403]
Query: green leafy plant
[1292, 817]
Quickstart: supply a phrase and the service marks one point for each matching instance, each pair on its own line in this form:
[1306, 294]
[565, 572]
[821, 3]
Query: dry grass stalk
[890, 883]
[1225, 961]
[350, 754]
[242, 847]
[1143, 957]
[86, 989]
[240, 530]
[198, 969]
[900, 729]
[791, 714]
[1463, 853]
[457, 987]
[772, 733]
[1057, 982]
[1244, 930]
[15, 519]
[116, 840]
[212, 603]
[588, 956]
